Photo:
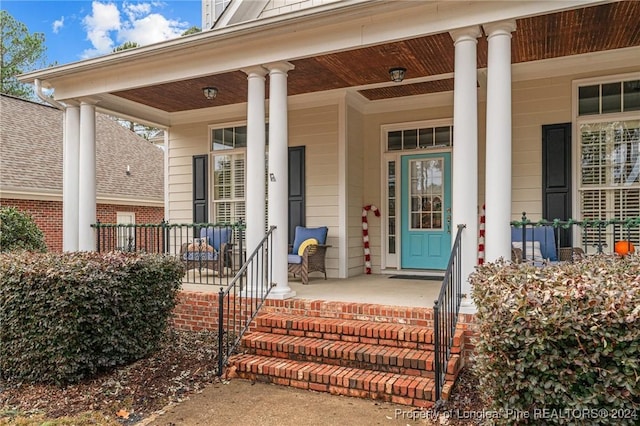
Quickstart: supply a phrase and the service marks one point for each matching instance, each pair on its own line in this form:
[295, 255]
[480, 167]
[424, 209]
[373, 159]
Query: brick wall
[48, 216]
[106, 213]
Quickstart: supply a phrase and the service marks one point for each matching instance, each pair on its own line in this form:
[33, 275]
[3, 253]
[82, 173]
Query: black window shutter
[296, 189]
[556, 176]
[200, 189]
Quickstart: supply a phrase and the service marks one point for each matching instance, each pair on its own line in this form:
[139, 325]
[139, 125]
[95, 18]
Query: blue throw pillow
[303, 234]
[216, 236]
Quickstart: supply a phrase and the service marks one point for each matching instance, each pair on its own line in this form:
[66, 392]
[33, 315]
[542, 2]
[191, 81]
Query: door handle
[449, 220]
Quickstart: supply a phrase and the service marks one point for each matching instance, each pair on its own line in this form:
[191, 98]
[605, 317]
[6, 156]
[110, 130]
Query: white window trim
[587, 119]
[213, 153]
[577, 121]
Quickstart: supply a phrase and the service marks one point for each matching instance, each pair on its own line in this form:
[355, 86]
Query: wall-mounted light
[397, 74]
[210, 92]
[128, 170]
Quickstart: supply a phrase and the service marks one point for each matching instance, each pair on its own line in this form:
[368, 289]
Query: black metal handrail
[175, 239]
[445, 313]
[241, 300]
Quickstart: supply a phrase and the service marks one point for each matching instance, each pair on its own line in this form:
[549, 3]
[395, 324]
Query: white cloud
[104, 20]
[136, 10]
[57, 25]
[106, 28]
[151, 29]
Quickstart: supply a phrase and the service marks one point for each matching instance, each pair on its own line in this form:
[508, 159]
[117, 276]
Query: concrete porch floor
[376, 288]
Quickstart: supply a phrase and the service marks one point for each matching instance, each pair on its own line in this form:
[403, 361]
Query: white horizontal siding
[535, 103]
[317, 130]
[354, 192]
[184, 142]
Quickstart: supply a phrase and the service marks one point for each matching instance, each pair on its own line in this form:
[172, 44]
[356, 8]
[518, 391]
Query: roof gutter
[47, 99]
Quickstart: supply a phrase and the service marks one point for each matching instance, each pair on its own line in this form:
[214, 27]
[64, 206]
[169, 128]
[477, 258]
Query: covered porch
[318, 81]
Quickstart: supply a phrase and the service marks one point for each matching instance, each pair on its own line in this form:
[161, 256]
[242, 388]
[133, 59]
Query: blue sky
[81, 29]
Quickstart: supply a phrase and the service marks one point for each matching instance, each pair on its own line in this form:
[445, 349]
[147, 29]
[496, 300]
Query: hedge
[559, 344]
[64, 317]
[18, 231]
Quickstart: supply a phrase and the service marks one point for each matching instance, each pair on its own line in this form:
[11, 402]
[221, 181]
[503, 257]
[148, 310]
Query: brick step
[369, 332]
[391, 359]
[404, 389]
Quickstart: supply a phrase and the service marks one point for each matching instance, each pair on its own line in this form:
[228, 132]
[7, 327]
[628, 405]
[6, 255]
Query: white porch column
[498, 152]
[279, 177]
[87, 178]
[70, 178]
[255, 204]
[465, 150]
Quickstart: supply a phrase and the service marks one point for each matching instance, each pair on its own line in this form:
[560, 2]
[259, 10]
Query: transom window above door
[420, 138]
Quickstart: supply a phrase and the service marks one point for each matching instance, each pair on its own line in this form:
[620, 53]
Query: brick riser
[383, 361]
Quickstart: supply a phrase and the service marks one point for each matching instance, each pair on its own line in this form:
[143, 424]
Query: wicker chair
[307, 254]
[541, 246]
[205, 252]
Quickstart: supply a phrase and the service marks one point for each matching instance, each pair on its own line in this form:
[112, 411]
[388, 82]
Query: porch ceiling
[591, 29]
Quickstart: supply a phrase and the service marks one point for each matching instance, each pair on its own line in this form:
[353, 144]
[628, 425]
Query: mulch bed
[186, 363]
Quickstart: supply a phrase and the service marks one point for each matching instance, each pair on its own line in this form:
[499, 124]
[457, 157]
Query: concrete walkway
[244, 403]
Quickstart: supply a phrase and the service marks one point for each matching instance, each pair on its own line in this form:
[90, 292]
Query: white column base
[467, 306]
[283, 294]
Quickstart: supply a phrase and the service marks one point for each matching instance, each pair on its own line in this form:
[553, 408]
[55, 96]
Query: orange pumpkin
[623, 248]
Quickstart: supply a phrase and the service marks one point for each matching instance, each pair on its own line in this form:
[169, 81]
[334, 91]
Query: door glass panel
[611, 98]
[632, 95]
[443, 136]
[391, 207]
[589, 100]
[394, 141]
[410, 139]
[426, 138]
[426, 193]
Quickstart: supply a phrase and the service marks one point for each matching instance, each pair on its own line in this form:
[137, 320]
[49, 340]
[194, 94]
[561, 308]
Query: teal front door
[426, 211]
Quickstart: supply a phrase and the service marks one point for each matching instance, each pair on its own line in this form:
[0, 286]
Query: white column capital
[88, 101]
[71, 103]
[500, 28]
[282, 67]
[256, 71]
[467, 33]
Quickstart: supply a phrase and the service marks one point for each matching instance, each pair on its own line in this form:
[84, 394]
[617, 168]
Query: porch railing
[589, 236]
[177, 240]
[445, 313]
[241, 300]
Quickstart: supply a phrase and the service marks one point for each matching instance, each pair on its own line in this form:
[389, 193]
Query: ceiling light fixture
[210, 92]
[397, 74]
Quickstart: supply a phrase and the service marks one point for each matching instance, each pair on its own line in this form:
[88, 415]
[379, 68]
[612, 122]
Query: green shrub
[562, 338]
[18, 231]
[66, 316]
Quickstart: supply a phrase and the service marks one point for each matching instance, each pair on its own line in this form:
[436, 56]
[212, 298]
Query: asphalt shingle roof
[31, 154]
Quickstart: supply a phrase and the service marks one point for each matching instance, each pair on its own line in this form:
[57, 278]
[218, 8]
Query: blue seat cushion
[294, 258]
[543, 234]
[216, 236]
[200, 255]
[303, 233]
